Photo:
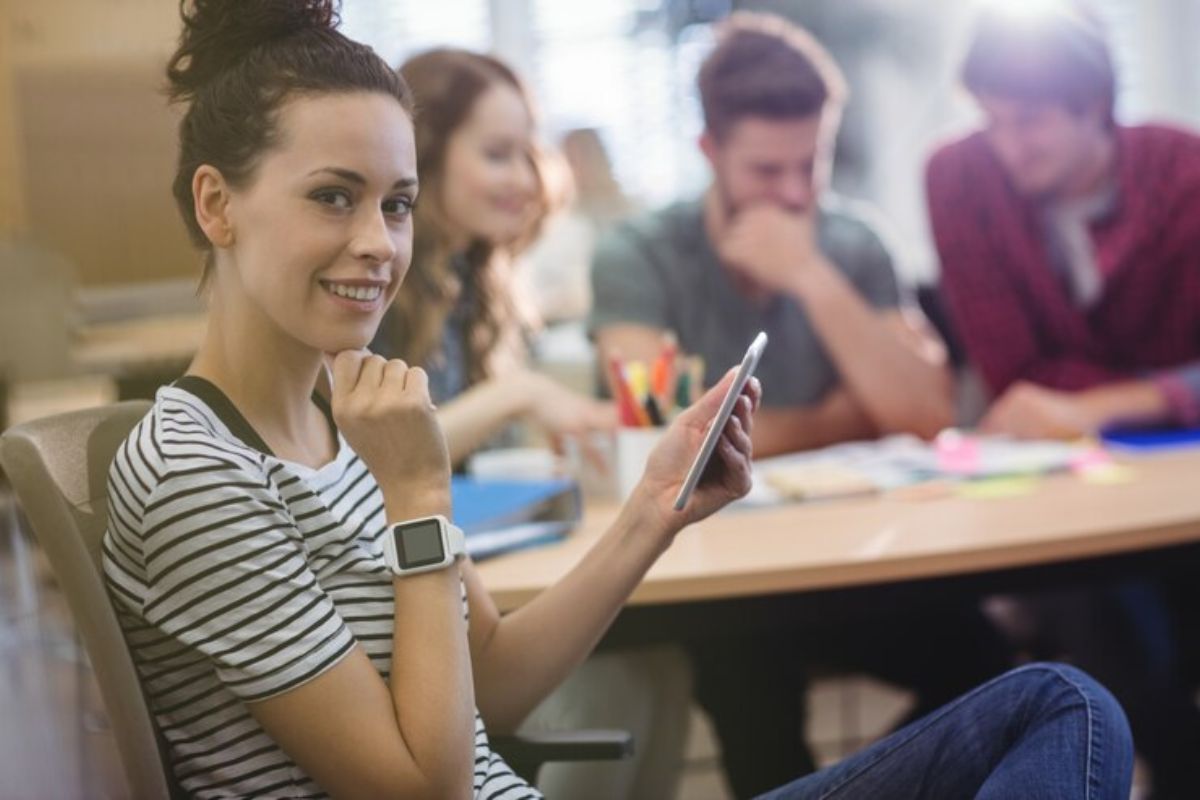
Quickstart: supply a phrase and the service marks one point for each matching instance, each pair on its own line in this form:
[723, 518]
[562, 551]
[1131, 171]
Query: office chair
[58, 467]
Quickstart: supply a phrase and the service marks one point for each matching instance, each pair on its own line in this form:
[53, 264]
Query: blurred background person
[1069, 244]
[483, 197]
[557, 264]
[1070, 250]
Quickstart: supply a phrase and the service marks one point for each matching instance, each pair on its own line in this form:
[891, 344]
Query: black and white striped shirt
[238, 576]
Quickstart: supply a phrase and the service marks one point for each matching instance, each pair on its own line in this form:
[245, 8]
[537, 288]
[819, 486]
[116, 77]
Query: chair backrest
[58, 467]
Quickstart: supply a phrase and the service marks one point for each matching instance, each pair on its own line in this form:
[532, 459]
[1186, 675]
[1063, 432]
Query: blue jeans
[1039, 731]
[1136, 637]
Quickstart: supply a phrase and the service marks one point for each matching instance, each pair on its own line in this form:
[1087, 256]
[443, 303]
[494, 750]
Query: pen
[653, 411]
[683, 391]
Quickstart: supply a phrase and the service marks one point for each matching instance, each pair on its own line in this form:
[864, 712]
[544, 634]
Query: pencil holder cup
[633, 446]
[609, 465]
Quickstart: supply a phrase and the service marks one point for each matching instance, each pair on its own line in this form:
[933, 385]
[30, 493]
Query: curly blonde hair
[446, 84]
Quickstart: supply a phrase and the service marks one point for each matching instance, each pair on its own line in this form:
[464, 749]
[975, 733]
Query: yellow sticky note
[996, 488]
[1107, 474]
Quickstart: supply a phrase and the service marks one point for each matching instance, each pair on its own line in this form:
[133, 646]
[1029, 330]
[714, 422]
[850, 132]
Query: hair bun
[218, 34]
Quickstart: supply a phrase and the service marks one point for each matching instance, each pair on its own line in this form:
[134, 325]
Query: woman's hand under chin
[384, 410]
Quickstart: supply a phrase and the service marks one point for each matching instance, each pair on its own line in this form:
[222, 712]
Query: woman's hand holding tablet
[749, 363]
[713, 437]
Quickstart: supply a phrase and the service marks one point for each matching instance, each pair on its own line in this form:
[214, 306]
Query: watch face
[419, 544]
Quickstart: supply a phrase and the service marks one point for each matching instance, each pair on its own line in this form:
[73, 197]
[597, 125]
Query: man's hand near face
[773, 247]
[892, 369]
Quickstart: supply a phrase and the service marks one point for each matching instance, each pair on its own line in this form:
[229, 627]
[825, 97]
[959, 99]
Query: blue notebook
[498, 516]
[1149, 439]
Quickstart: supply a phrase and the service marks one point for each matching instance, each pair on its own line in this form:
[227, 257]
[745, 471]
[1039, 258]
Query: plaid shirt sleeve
[1181, 388]
[985, 304]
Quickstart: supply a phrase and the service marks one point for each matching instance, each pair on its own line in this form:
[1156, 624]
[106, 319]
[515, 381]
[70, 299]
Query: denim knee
[1050, 677]
[1056, 686]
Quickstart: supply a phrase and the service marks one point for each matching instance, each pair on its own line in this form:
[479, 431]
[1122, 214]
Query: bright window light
[1025, 9]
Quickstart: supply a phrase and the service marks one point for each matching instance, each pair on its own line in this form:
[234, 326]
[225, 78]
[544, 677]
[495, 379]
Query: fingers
[398, 373]
[395, 374]
[743, 412]
[992, 422]
[354, 369]
[733, 242]
[709, 403]
[736, 430]
[737, 466]
[360, 372]
[707, 406]
[346, 366]
[589, 416]
[754, 391]
[416, 383]
[594, 455]
[597, 418]
[370, 375]
[605, 417]
[409, 383]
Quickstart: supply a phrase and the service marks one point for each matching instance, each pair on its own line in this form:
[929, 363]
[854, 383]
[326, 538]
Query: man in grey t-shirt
[663, 273]
[762, 250]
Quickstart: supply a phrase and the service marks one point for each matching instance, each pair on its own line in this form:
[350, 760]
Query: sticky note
[996, 488]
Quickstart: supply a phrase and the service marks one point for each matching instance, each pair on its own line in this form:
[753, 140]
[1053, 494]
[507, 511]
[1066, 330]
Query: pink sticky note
[1092, 459]
[956, 453]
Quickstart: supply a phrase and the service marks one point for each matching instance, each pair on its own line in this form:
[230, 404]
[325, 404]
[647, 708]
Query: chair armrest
[525, 753]
[578, 745]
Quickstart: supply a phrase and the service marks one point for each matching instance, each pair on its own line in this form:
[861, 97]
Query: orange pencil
[662, 374]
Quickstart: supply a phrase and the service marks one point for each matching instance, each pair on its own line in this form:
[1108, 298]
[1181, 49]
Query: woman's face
[489, 185]
[321, 237]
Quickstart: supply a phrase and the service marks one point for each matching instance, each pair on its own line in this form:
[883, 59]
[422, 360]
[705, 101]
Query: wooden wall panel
[12, 192]
[98, 144]
[90, 139]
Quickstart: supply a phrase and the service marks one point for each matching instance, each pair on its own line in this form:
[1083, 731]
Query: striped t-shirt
[238, 576]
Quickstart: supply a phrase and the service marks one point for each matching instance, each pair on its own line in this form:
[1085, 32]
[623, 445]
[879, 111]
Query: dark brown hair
[446, 84]
[237, 63]
[764, 66]
[1061, 55]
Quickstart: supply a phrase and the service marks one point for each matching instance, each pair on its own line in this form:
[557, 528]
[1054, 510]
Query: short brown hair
[1061, 56]
[765, 66]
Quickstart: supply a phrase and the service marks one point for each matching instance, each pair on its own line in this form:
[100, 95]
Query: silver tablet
[749, 362]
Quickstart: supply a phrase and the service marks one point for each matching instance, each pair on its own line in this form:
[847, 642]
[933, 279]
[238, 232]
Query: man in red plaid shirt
[1070, 253]
[1069, 245]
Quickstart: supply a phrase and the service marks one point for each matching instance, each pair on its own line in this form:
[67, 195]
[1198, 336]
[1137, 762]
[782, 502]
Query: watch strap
[456, 540]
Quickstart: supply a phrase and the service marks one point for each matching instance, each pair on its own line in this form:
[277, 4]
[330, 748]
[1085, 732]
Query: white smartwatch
[423, 545]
